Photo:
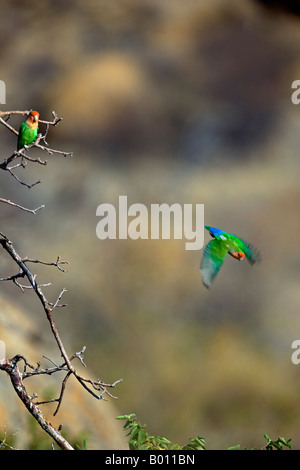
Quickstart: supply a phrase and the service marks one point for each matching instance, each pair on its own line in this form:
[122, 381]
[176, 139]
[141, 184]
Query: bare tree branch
[58, 263]
[97, 388]
[32, 211]
[11, 368]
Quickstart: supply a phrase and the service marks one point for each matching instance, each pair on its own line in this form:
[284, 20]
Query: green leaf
[84, 445]
[141, 436]
[198, 443]
[134, 431]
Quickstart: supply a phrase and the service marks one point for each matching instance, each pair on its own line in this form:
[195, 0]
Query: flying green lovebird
[216, 250]
[28, 130]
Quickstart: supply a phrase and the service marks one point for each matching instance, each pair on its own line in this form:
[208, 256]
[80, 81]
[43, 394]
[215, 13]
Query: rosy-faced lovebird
[216, 250]
[28, 130]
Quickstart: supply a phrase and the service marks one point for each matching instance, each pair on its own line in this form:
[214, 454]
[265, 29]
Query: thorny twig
[58, 263]
[32, 211]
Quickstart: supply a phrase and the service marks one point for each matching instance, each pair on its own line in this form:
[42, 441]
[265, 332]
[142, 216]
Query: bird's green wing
[213, 258]
[251, 253]
[21, 137]
[26, 135]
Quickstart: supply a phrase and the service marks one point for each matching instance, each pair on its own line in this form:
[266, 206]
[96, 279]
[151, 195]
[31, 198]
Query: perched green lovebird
[28, 130]
[216, 250]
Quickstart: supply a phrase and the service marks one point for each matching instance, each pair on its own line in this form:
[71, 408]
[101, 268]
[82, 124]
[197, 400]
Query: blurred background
[171, 101]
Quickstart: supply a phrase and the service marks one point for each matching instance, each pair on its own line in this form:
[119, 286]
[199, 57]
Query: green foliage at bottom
[141, 440]
[277, 445]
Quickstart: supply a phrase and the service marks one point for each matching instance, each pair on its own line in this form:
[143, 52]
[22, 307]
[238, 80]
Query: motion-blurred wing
[213, 258]
[251, 253]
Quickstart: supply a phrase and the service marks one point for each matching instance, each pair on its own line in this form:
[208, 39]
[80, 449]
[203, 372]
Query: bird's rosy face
[34, 116]
[237, 254]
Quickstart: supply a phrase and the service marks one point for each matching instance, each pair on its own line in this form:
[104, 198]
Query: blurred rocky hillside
[169, 101]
